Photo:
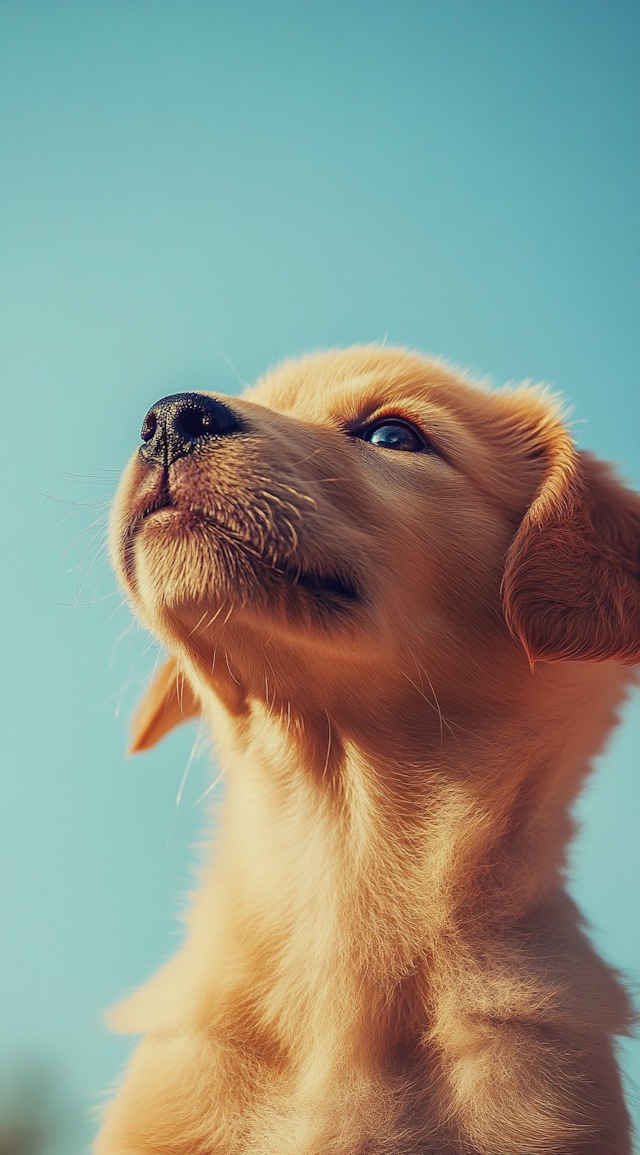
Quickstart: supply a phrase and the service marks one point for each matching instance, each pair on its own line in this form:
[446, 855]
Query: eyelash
[396, 419]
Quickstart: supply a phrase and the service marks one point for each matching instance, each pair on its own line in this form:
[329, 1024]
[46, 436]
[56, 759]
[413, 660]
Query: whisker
[435, 708]
[223, 357]
[74, 502]
[322, 480]
[183, 782]
[229, 669]
[78, 506]
[218, 611]
[289, 488]
[199, 623]
[208, 790]
[105, 617]
[102, 551]
[266, 659]
[326, 761]
[98, 522]
[266, 693]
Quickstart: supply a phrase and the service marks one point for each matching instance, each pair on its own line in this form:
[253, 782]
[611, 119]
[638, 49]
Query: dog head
[359, 513]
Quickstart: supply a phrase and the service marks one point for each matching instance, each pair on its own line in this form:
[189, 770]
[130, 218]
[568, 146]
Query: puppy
[407, 606]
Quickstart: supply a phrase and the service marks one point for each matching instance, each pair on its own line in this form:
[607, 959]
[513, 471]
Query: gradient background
[198, 182]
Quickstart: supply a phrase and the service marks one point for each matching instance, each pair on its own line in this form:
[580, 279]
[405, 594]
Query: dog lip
[163, 503]
[320, 584]
[162, 500]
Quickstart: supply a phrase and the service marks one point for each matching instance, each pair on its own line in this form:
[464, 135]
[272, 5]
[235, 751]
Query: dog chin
[182, 570]
[179, 567]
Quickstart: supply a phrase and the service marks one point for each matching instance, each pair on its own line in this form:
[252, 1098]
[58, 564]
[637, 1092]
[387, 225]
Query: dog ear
[169, 701]
[571, 587]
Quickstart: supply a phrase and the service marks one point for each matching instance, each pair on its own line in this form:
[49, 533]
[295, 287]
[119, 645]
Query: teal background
[192, 190]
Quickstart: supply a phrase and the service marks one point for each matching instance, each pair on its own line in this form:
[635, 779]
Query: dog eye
[390, 434]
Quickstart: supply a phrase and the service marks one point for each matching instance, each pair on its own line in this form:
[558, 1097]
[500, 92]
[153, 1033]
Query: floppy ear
[168, 702]
[572, 579]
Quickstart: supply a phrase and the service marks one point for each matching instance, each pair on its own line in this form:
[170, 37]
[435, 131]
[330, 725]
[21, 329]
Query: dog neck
[333, 851]
[356, 898]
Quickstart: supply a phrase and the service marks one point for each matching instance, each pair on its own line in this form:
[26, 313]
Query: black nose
[175, 425]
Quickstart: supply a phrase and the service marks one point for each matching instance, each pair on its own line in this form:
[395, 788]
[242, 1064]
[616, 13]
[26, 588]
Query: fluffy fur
[408, 661]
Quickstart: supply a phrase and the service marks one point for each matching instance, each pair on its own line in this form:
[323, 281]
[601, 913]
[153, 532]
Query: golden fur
[383, 960]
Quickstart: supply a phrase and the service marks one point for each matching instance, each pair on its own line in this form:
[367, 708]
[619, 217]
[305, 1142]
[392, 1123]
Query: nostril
[195, 415]
[178, 424]
[192, 423]
[149, 426]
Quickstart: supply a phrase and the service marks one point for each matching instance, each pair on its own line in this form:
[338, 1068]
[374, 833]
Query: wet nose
[175, 425]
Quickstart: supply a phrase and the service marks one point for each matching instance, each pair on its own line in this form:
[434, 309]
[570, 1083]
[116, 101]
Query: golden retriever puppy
[406, 605]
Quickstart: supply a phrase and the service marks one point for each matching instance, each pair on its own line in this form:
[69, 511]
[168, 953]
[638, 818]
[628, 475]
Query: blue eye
[395, 435]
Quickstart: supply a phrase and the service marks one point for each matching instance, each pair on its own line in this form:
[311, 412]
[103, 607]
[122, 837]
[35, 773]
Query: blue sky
[198, 184]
